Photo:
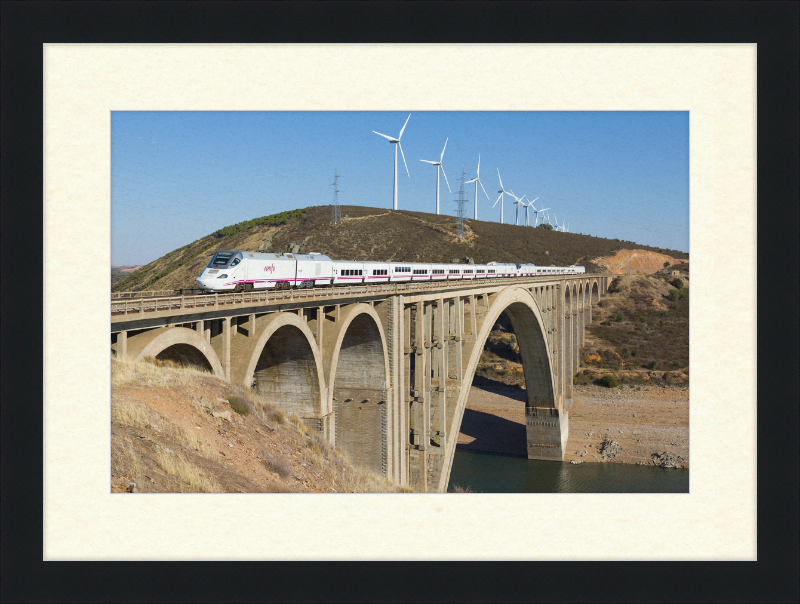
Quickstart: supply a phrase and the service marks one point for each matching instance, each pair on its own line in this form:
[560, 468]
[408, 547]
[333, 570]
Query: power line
[336, 214]
[461, 211]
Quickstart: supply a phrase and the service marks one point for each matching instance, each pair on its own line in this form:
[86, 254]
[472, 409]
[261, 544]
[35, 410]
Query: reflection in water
[487, 473]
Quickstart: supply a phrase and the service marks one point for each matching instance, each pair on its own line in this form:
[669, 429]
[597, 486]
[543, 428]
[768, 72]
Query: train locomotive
[238, 270]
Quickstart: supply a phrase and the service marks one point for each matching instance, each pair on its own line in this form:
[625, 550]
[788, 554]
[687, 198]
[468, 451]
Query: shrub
[619, 318]
[677, 283]
[281, 466]
[635, 352]
[609, 381]
[652, 364]
[666, 264]
[642, 319]
[457, 488]
[575, 381]
[240, 405]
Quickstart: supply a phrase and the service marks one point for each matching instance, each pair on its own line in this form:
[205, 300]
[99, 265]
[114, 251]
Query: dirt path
[643, 422]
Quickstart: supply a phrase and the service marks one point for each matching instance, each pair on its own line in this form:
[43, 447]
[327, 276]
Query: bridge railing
[124, 305]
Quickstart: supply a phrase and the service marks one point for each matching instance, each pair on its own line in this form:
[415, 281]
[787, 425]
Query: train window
[235, 262]
[222, 258]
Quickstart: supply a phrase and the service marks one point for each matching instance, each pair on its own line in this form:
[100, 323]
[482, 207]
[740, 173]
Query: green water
[488, 473]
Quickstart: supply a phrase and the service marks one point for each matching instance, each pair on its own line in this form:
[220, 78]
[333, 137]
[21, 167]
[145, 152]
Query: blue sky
[178, 176]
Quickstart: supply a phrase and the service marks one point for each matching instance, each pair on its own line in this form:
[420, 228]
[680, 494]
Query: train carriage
[438, 272]
[420, 272]
[454, 271]
[376, 272]
[312, 269]
[400, 272]
[348, 273]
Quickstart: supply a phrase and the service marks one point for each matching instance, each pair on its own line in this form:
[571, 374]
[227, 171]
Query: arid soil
[639, 261]
[176, 430]
[643, 422]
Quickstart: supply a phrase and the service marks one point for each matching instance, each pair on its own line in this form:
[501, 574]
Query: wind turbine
[396, 141]
[528, 207]
[502, 192]
[477, 180]
[439, 167]
[518, 200]
[536, 221]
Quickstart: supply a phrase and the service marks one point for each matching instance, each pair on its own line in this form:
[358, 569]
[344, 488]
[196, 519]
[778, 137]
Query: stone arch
[529, 325]
[284, 361]
[595, 291]
[587, 307]
[357, 371]
[175, 343]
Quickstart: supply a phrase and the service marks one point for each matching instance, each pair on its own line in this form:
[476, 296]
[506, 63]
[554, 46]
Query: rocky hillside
[638, 262]
[377, 234]
[179, 429]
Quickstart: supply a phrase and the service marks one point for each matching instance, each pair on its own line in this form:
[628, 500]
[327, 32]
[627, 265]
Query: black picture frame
[26, 26]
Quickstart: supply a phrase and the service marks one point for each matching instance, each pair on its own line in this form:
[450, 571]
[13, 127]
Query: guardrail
[126, 305]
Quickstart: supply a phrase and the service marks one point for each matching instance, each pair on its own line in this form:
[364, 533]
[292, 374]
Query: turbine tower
[518, 200]
[528, 207]
[477, 180]
[502, 192]
[536, 221]
[396, 141]
[439, 167]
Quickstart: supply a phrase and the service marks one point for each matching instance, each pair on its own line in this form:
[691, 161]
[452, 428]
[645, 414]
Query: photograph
[303, 302]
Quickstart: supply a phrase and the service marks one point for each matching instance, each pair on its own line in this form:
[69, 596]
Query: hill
[378, 234]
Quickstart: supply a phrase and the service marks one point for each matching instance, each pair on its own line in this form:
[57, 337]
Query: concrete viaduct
[382, 371]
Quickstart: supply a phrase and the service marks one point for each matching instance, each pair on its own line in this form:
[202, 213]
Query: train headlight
[223, 276]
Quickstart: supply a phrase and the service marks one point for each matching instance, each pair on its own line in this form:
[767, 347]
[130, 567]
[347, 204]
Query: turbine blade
[427, 161]
[478, 175]
[498, 199]
[484, 190]
[404, 127]
[403, 154]
[441, 167]
[469, 181]
[391, 138]
[445, 147]
[501, 180]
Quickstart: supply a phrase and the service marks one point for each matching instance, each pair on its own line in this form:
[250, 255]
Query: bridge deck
[127, 309]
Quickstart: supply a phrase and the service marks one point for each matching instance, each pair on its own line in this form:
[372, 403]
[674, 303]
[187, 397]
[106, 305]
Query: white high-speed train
[237, 270]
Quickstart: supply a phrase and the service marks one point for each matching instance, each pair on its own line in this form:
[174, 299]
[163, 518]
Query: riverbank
[651, 420]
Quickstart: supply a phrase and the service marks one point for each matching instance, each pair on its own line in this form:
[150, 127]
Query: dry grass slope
[180, 429]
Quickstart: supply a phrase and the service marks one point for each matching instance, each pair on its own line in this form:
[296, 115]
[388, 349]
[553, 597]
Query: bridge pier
[547, 430]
